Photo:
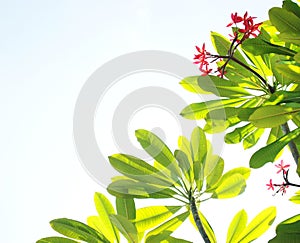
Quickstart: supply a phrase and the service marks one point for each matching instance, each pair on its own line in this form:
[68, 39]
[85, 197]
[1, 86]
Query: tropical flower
[282, 167]
[270, 185]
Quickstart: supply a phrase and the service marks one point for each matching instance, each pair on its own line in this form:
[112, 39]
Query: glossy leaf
[290, 37]
[126, 207]
[191, 84]
[296, 198]
[184, 164]
[127, 228]
[77, 230]
[104, 209]
[199, 111]
[259, 225]
[258, 46]
[213, 171]
[56, 240]
[289, 71]
[284, 20]
[238, 134]
[126, 188]
[237, 226]
[288, 231]
[269, 152]
[149, 217]
[156, 148]
[272, 116]
[253, 138]
[230, 187]
[138, 169]
[166, 229]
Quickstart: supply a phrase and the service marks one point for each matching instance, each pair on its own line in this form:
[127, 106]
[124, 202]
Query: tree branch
[285, 128]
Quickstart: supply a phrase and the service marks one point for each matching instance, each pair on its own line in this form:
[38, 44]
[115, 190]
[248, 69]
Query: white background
[48, 49]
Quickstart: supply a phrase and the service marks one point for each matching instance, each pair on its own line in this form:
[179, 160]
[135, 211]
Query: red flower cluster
[282, 187]
[248, 29]
[201, 58]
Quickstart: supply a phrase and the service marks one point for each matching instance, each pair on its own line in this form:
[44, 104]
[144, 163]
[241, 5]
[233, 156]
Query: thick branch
[285, 128]
[197, 220]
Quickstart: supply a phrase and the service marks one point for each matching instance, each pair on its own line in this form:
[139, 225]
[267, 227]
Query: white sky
[48, 50]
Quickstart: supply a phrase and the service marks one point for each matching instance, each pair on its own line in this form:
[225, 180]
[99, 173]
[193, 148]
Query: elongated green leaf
[288, 231]
[272, 116]
[275, 133]
[166, 229]
[253, 138]
[56, 240]
[126, 188]
[184, 145]
[126, 207]
[238, 134]
[243, 171]
[104, 209]
[258, 225]
[237, 226]
[230, 187]
[289, 71]
[296, 198]
[213, 170]
[77, 230]
[284, 20]
[199, 111]
[222, 87]
[138, 169]
[258, 46]
[171, 239]
[291, 7]
[269, 152]
[156, 148]
[184, 164]
[191, 84]
[199, 151]
[127, 228]
[149, 217]
[290, 37]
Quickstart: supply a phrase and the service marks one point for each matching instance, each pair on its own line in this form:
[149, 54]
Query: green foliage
[296, 198]
[260, 87]
[288, 231]
[240, 232]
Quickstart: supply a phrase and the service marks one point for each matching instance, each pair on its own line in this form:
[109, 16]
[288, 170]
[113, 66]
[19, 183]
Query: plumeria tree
[255, 77]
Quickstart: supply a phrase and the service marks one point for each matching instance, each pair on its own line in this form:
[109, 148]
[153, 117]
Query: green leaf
[191, 84]
[138, 169]
[275, 133]
[184, 145]
[199, 151]
[288, 231]
[289, 71]
[258, 225]
[221, 87]
[104, 209]
[156, 148]
[184, 164]
[230, 187]
[126, 207]
[296, 198]
[253, 138]
[77, 230]
[291, 7]
[213, 171]
[272, 116]
[171, 239]
[127, 228]
[284, 20]
[237, 226]
[126, 188]
[149, 217]
[166, 229]
[258, 46]
[199, 111]
[269, 152]
[290, 37]
[238, 134]
[56, 240]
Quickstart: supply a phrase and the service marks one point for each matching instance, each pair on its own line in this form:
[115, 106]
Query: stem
[197, 220]
[285, 128]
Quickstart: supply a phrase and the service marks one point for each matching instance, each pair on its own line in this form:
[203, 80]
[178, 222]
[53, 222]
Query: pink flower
[201, 58]
[235, 19]
[282, 167]
[270, 185]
